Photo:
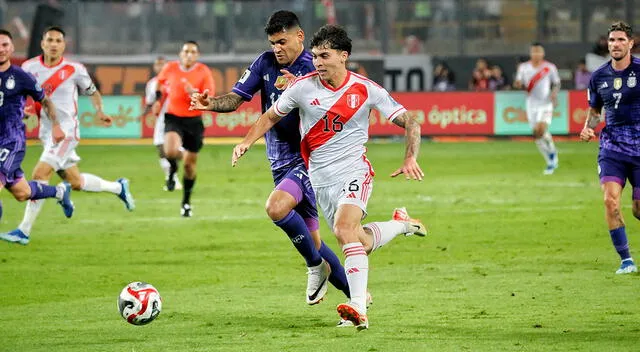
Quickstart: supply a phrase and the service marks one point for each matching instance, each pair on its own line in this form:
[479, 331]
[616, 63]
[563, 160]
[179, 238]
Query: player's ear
[300, 34]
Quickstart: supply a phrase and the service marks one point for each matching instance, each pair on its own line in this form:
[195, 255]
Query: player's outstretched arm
[593, 119]
[50, 109]
[223, 103]
[410, 167]
[96, 101]
[264, 124]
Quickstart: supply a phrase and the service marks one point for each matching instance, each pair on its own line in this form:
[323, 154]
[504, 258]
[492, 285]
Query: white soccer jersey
[334, 123]
[537, 80]
[150, 94]
[61, 83]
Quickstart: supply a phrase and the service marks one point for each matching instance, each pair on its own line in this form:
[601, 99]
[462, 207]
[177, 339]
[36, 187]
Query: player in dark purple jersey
[614, 92]
[292, 204]
[15, 86]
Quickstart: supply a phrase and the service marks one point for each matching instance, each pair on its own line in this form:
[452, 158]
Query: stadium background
[397, 43]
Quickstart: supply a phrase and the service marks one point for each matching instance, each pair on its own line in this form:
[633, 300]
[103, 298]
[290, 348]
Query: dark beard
[620, 58]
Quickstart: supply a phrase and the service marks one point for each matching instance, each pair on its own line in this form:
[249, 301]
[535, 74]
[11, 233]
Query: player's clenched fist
[587, 133]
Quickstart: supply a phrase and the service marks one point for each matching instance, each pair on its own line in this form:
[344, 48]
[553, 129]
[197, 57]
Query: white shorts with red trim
[62, 155]
[537, 112]
[354, 188]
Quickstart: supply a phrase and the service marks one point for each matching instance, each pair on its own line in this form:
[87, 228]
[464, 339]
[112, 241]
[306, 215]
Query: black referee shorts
[190, 129]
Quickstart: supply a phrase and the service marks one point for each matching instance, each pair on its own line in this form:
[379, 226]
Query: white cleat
[350, 312]
[627, 266]
[317, 282]
[414, 226]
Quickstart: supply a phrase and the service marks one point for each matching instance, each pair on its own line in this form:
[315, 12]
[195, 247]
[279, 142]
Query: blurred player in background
[292, 204]
[613, 89]
[15, 86]
[334, 106]
[158, 131]
[541, 80]
[61, 80]
[183, 127]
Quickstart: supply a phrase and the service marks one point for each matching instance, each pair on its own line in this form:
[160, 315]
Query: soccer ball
[139, 303]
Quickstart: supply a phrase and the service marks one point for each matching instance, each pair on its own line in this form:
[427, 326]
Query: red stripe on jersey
[308, 75]
[538, 76]
[366, 79]
[57, 78]
[337, 115]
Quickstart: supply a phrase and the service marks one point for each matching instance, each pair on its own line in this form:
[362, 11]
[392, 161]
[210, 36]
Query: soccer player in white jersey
[150, 97]
[541, 81]
[334, 106]
[62, 80]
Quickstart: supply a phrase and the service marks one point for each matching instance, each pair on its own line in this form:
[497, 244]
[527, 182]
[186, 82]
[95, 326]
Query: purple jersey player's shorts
[295, 181]
[618, 167]
[11, 155]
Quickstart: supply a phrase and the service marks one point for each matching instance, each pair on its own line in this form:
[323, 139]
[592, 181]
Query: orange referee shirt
[176, 79]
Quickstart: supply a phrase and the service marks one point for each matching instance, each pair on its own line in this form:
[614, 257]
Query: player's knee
[538, 133]
[345, 232]
[611, 202]
[21, 195]
[76, 185]
[276, 210]
[189, 169]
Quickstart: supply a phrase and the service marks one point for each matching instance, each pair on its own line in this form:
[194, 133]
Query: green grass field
[516, 261]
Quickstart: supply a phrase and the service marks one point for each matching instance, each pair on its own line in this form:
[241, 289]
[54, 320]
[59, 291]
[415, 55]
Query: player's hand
[155, 108]
[200, 101]
[410, 169]
[238, 151]
[106, 119]
[57, 134]
[554, 100]
[586, 134]
[288, 75]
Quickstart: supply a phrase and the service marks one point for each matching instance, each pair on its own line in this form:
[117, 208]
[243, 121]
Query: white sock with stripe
[31, 212]
[356, 266]
[93, 183]
[384, 232]
[166, 167]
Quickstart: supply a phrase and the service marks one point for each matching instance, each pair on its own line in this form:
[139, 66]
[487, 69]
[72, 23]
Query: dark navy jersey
[15, 86]
[617, 93]
[283, 140]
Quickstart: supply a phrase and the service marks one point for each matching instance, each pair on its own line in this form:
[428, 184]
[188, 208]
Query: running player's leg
[42, 174]
[172, 146]
[612, 172]
[92, 183]
[193, 135]
[158, 142]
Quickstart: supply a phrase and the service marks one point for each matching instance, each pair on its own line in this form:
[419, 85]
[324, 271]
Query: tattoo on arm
[412, 134]
[226, 103]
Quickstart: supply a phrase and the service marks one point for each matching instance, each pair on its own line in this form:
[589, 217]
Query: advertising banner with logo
[463, 113]
[125, 111]
[408, 73]
[578, 109]
[511, 115]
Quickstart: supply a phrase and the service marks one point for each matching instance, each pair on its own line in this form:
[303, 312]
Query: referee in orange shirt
[183, 127]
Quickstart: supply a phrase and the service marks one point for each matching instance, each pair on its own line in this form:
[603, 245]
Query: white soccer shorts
[537, 113]
[61, 156]
[158, 130]
[355, 189]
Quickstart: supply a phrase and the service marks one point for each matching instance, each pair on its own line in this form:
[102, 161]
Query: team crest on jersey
[281, 82]
[353, 100]
[617, 83]
[11, 83]
[631, 81]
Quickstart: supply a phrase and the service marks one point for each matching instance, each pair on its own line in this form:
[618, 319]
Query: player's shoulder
[635, 63]
[172, 66]
[604, 69]
[362, 79]
[202, 67]
[304, 79]
[32, 63]
[19, 73]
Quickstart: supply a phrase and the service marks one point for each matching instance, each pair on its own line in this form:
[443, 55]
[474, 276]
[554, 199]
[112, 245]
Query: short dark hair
[333, 36]
[280, 21]
[192, 42]
[622, 27]
[6, 32]
[537, 44]
[55, 29]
